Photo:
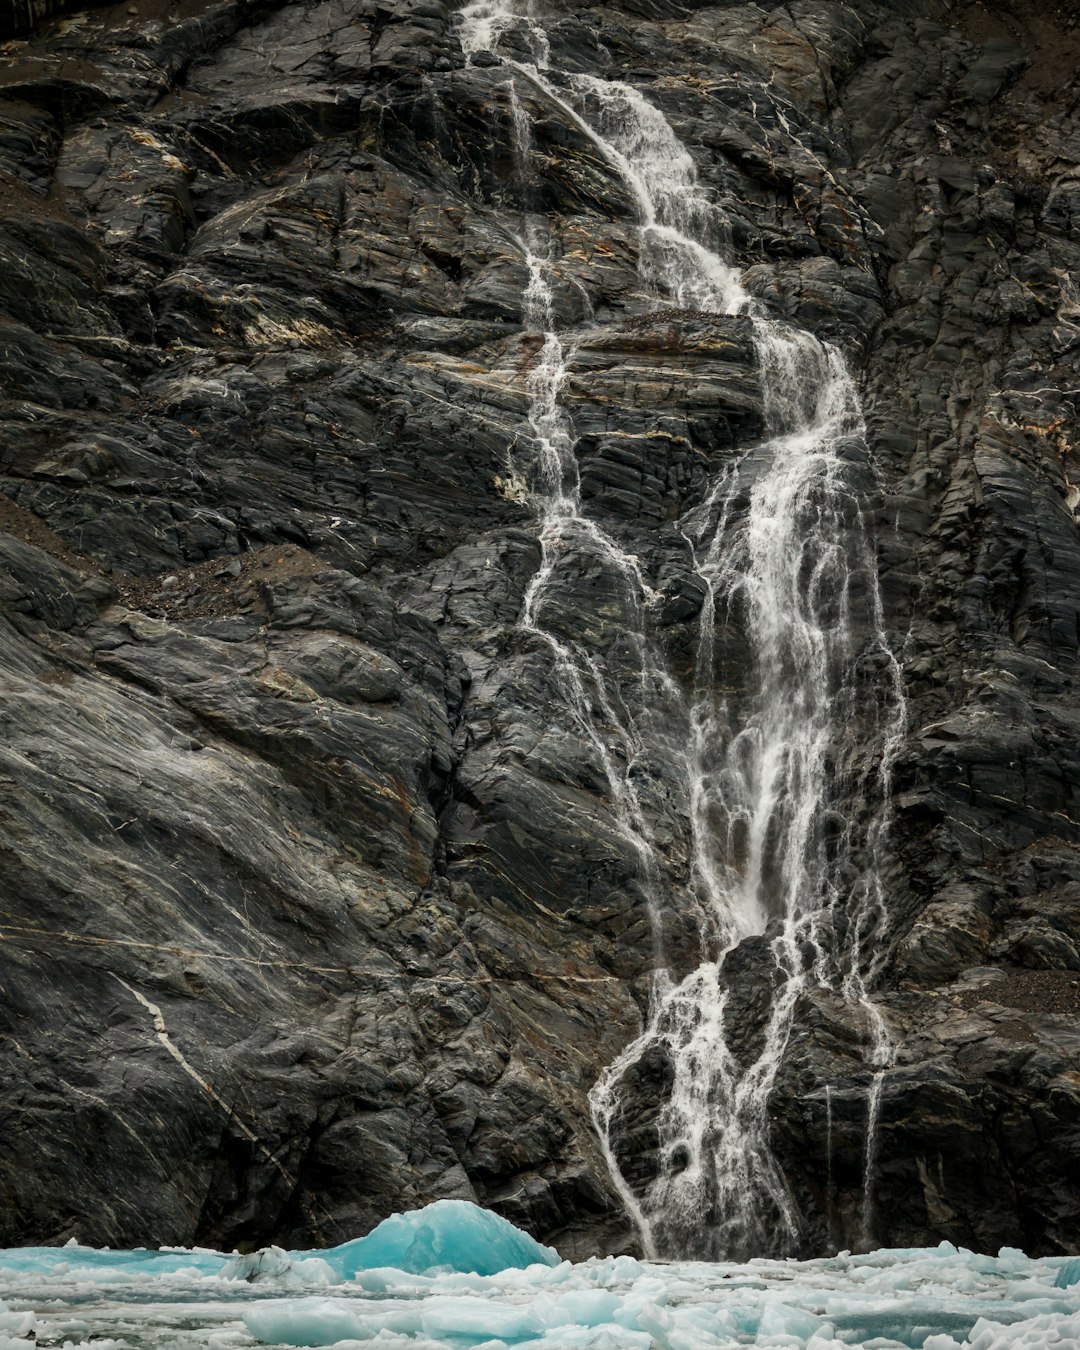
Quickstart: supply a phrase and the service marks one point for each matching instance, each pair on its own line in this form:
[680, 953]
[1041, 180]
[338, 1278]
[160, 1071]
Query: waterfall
[780, 549]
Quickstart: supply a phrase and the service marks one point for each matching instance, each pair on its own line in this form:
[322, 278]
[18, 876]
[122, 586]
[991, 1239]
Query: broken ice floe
[455, 1277]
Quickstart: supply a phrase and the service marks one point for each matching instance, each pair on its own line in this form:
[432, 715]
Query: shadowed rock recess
[313, 907]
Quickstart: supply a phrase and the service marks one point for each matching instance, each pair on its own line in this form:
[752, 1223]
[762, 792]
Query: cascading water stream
[780, 550]
[553, 487]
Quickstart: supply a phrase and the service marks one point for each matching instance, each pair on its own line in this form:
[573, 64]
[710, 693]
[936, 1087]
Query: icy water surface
[936, 1298]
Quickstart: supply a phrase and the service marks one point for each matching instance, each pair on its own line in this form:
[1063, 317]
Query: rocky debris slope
[314, 909]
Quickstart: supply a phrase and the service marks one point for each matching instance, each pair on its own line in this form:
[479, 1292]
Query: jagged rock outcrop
[314, 905]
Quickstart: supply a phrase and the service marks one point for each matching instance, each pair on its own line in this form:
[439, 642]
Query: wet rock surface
[314, 909]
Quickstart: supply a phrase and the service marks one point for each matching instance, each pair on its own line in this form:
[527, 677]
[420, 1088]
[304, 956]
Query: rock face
[314, 908]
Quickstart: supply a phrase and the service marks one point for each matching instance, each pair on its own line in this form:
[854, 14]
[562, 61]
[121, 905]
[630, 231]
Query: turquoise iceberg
[449, 1235]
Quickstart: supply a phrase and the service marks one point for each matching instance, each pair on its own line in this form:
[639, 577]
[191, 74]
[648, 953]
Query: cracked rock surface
[312, 908]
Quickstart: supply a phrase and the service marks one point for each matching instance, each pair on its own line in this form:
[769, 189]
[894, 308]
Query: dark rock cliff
[313, 908]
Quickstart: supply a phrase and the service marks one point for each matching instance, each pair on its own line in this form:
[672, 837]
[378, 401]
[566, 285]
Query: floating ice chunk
[478, 1319]
[386, 1280]
[447, 1235]
[1035, 1333]
[780, 1319]
[272, 1263]
[92, 1263]
[468, 1320]
[16, 1330]
[825, 1339]
[581, 1307]
[582, 1338]
[95, 1344]
[307, 1321]
[1069, 1274]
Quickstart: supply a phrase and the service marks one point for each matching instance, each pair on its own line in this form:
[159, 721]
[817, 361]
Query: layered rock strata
[313, 906]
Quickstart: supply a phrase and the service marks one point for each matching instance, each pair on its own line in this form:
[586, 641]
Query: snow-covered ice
[455, 1277]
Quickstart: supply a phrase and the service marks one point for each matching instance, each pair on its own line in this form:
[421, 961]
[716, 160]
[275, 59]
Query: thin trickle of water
[829, 1165]
[780, 550]
[873, 1117]
[553, 486]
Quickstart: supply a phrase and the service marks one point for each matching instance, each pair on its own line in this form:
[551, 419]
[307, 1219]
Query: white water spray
[780, 549]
